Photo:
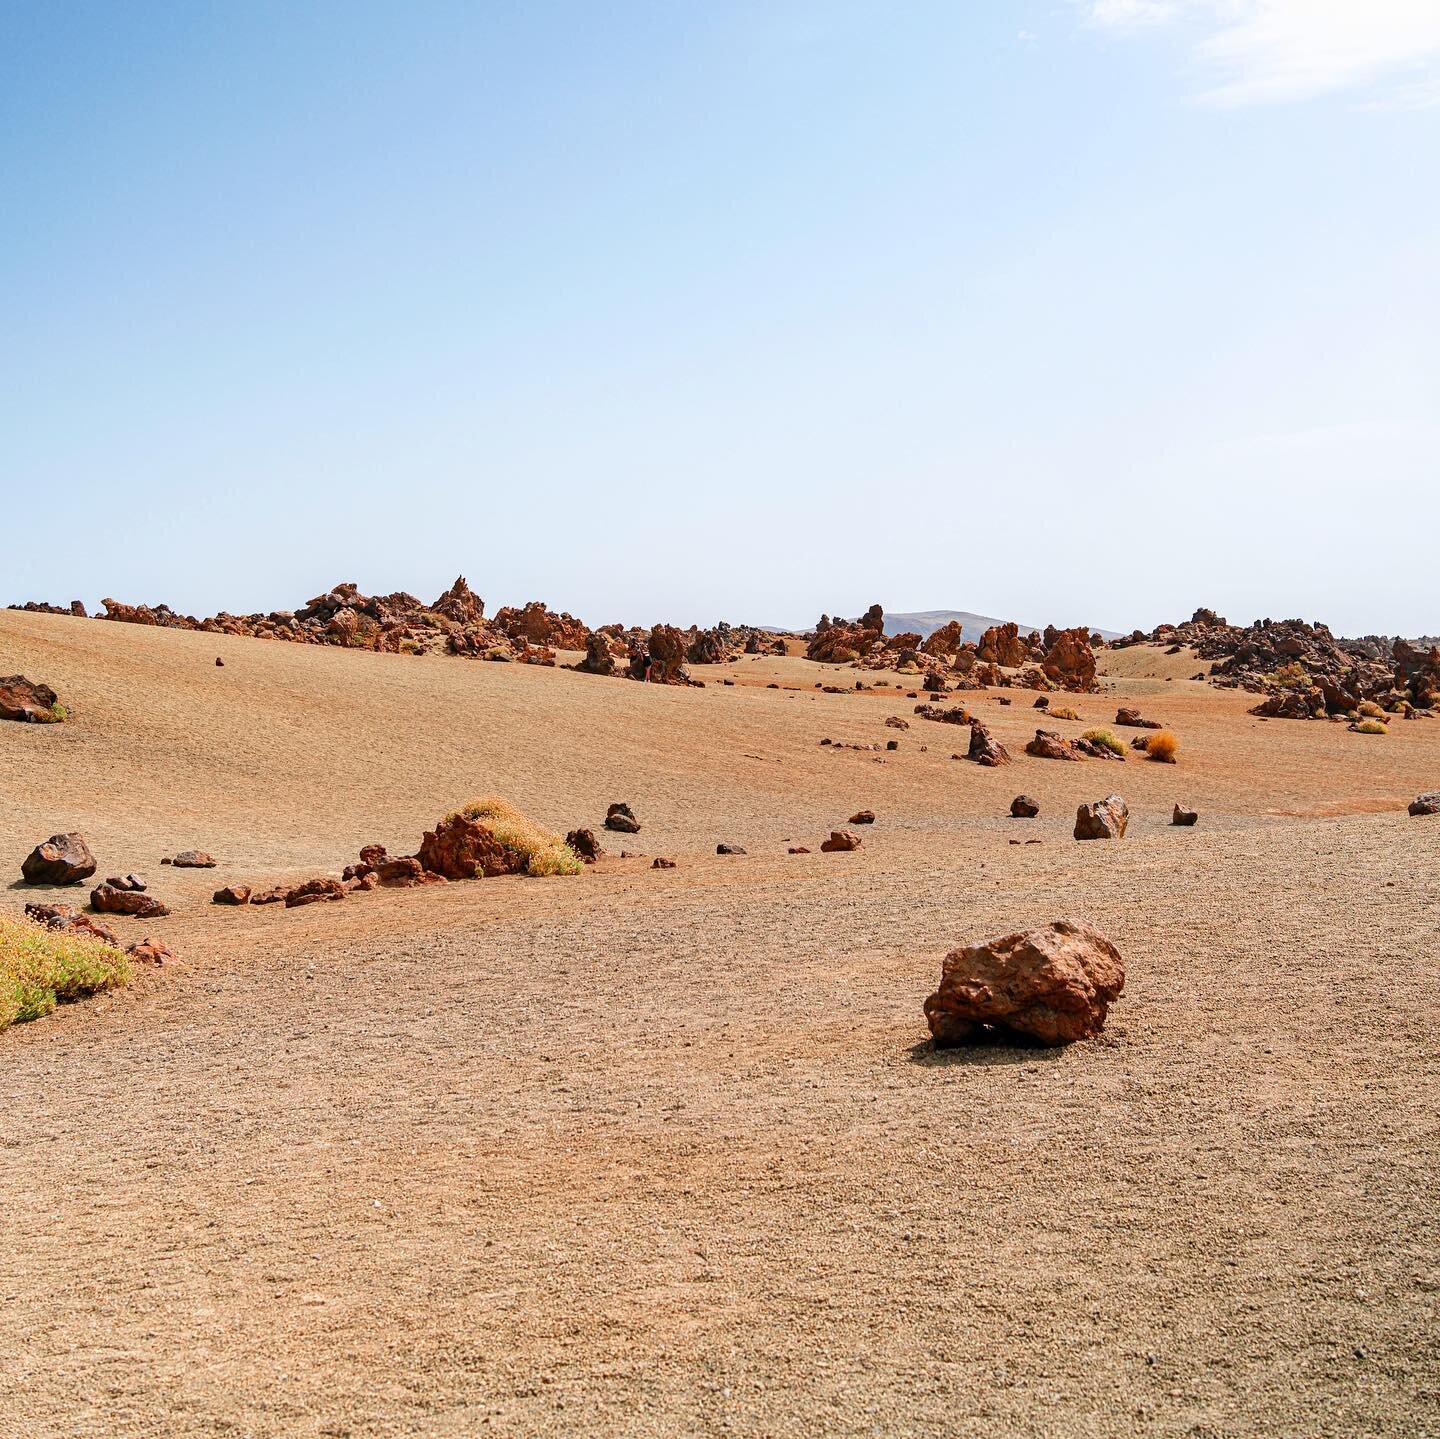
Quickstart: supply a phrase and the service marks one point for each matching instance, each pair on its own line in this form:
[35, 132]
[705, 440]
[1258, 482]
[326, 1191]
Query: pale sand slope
[655, 1153]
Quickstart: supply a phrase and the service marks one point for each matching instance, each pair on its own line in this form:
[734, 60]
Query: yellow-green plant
[40, 968]
[1105, 740]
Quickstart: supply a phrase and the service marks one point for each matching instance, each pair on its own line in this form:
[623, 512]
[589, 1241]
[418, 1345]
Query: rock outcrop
[1054, 984]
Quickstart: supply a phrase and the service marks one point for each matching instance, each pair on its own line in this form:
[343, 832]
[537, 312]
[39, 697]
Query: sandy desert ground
[666, 1152]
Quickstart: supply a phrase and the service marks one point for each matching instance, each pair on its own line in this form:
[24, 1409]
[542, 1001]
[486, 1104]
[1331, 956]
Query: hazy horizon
[1091, 312]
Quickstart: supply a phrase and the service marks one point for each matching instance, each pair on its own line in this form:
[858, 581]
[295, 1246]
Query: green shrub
[56, 714]
[1293, 676]
[1105, 739]
[543, 851]
[40, 968]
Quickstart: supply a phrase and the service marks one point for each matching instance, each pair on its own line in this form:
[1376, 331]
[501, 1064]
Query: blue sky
[1085, 312]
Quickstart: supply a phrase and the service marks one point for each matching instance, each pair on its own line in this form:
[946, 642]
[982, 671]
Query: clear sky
[1085, 311]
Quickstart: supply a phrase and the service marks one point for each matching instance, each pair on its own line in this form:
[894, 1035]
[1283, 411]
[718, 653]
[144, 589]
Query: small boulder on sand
[864, 816]
[1426, 803]
[1102, 819]
[660, 862]
[621, 819]
[232, 894]
[62, 859]
[584, 843]
[106, 899]
[1184, 815]
[193, 859]
[985, 749]
[841, 841]
[27, 701]
[729, 849]
[1054, 984]
[1023, 807]
[1126, 715]
[313, 891]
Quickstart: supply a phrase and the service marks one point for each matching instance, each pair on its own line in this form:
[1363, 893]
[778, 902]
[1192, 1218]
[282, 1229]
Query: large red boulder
[985, 749]
[62, 859]
[25, 700]
[1069, 661]
[1054, 984]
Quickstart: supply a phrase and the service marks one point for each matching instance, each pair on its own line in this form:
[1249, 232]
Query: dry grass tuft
[40, 968]
[1062, 712]
[1162, 746]
[543, 851]
[1371, 726]
[1370, 710]
[1105, 739]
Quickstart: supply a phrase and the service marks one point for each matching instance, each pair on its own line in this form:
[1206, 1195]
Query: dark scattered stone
[62, 859]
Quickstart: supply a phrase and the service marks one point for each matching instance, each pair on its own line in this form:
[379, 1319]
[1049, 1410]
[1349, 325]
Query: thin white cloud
[1258, 52]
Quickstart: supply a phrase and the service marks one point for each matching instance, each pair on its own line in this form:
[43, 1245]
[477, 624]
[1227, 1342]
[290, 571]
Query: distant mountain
[926, 622]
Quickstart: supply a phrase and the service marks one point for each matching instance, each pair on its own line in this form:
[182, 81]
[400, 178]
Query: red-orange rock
[1102, 819]
[840, 842]
[106, 899]
[1055, 984]
[25, 700]
[67, 920]
[232, 894]
[62, 859]
[314, 891]
[461, 848]
[985, 749]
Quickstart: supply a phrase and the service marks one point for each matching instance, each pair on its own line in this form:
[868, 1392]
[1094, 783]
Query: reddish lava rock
[62, 859]
[799, 849]
[1426, 803]
[985, 749]
[660, 863]
[151, 951]
[313, 891]
[24, 700]
[232, 894]
[621, 819]
[584, 843]
[865, 816]
[729, 849]
[1184, 816]
[841, 841]
[1054, 984]
[1023, 807]
[193, 859]
[461, 848]
[106, 899]
[1102, 819]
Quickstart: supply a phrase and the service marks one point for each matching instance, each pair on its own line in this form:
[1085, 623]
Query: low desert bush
[1293, 676]
[1105, 740]
[1061, 712]
[56, 714]
[1370, 710]
[543, 851]
[1371, 726]
[40, 968]
[1162, 746]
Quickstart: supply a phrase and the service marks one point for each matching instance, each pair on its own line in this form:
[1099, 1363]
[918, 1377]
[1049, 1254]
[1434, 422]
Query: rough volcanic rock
[953, 714]
[729, 849]
[944, 641]
[840, 641]
[276, 894]
[621, 819]
[232, 894]
[537, 625]
[62, 859]
[193, 859]
[1049, 745]
[1132, 719]
[151, 951]
[1055, 984]
[1426, 803]
[126, 881]
[1292, 704]
[26, 700]
[841, 841]
[314, 891]
[373, 855]
[864, 816]
[461, 605]
[1023, 807]
[1102, 819]
[106, 899]
[660, 862]
[985, 749]
[584, 843]
[1069, 661]
[403, 872]
[1184, 815]
[598, 658]
[461, 848]
[1002, 645]
[69, 920]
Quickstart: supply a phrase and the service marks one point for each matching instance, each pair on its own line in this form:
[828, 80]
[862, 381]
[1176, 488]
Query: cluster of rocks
[663, 654]
[36, 607]
[1304, 671]
[28, 701]
[1053, 660]
[1049, 745]
[65, 919]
